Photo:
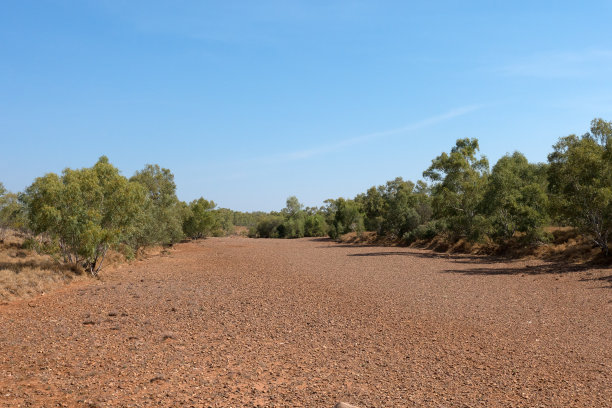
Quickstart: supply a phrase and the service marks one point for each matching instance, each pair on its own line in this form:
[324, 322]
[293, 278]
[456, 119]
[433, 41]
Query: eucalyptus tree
[86, 211]
[516, 199]
[373, 206]
[161, 221]
[343, 216]
[200, 220]
[580, 182]
[459, 180]
[399, 202]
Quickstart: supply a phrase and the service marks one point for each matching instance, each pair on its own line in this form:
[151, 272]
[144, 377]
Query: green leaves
[516, 199]
[459, 180]
[87, 211]
[345, 216]
[160, 221]
[580, 178]
[200, 220]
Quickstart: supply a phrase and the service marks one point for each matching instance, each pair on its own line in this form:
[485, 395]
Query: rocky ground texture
[236, 322]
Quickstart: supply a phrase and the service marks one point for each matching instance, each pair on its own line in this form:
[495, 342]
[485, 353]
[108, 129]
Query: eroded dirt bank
[238, 322]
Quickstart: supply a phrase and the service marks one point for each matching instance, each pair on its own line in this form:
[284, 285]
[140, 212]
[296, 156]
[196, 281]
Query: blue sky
[249, 102]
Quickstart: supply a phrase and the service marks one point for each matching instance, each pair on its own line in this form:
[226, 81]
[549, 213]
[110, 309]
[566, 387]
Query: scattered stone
[168, 336]
[344, 405]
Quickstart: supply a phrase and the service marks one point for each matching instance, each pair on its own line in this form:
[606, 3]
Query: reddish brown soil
[234, 322]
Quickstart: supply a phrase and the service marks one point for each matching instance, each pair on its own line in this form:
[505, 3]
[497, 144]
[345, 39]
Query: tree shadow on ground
[553, 268]
[547, 268]
[321, 239]
[459, 258]
[550, 268]
[607, 279]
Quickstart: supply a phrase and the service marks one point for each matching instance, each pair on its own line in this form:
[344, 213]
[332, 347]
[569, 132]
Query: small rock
[167, 336]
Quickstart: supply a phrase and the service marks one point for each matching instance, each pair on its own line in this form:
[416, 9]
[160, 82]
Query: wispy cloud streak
[340, 145]
[562, 65]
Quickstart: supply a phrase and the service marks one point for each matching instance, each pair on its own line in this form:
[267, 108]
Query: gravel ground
[235, 322]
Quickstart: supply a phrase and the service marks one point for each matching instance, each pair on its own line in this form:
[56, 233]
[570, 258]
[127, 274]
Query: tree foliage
[86, 211]
[373, 206]
[516, 199]
[11, 212]
[161, 220]
[344, 216]
[459, 180]
[293, 221]
[268, 226]
[580, 178]
[200, 220]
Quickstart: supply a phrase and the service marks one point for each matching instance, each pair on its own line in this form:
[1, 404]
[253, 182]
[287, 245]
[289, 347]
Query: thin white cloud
[340, 145]
[562, 65]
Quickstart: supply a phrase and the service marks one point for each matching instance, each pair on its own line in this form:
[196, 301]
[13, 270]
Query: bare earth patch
[233, 322]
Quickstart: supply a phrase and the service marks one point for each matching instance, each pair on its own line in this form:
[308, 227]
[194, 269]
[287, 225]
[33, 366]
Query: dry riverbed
[236, 322]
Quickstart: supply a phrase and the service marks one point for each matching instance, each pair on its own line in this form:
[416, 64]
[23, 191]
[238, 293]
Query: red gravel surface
[234, 322]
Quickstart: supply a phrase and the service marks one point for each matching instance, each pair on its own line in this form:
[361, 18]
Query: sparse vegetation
[465, 201]
[75, 218]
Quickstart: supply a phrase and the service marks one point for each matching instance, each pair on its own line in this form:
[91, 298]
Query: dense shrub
[86, 211]
[268, 227]
[516, 199]
[200, 220]
[425, 231]
[161, 218]
[344, 216]
[315, 225]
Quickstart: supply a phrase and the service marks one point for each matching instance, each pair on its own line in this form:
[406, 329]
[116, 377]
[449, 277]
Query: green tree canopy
[458, 184]
[373, 206]
[400, 215]
[580, 181]
[87, 211]
[293, 207]
[200, 220]
[161, 219]
[516, 198]
[344, 216]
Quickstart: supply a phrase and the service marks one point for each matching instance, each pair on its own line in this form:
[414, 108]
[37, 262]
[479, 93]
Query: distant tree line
[81, 214]
[462, 197]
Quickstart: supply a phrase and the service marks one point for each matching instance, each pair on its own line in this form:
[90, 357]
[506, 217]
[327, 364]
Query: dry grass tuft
[566, 245]
[25, 273]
